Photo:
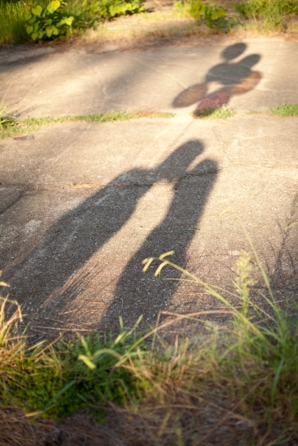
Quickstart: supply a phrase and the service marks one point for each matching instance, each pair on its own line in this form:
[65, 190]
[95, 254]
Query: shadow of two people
[70, 242]
[235, 77]
[48, 274]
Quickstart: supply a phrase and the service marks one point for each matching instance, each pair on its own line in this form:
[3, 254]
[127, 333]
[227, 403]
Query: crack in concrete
[2, 211]
[160, 71]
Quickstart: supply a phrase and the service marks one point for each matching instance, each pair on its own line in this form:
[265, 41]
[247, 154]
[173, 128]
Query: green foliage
[214, 113]
[271, 13]
[256, 364]
[212, 15]
[5, 120]
[285, 110]
[12, 16]
[53, 382]
[255, 8]
[47, 23]
[108, 9]
[250, 362]
[12, 126]
[90, 13]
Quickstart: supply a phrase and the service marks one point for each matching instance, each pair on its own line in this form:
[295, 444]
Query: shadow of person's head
[176, 164]
[233, 51]
[250, 61]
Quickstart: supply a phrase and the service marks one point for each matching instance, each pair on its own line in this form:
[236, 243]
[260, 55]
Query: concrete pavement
[83, 204]
[52, 82]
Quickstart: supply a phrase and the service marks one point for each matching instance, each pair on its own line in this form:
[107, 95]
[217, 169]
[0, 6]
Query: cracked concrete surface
[83, 203]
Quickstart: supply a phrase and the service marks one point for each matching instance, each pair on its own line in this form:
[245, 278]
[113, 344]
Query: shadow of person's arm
[71, 240]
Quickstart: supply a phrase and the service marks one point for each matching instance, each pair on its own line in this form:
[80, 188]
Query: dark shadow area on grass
[235, 77]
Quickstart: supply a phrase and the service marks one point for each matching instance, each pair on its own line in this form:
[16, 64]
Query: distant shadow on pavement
[71, 241]
[235, 78]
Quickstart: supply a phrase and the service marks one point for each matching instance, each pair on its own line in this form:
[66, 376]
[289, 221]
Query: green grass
[214, 113]
[53, 381]
[268, 14]
[255, 15]
[249, 365]
[285, 110]
[12, 127]
[86, 13]
[12, 16]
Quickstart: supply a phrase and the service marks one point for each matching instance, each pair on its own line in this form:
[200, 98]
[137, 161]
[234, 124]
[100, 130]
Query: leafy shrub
[108, 9]
[91, 12]
[47, 23]
[212, 15]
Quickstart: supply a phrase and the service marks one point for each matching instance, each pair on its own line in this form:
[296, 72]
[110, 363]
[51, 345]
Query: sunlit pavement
[82, 204]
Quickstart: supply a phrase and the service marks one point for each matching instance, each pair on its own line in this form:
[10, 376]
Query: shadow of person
[42, 277]
[138, 294]
[235, 77]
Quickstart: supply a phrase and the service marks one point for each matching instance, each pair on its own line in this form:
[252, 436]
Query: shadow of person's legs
[139, 294]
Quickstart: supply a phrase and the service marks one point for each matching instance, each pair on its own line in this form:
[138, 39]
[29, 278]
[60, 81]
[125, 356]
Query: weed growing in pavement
[285, 110]
[5, 120]
[214, 113]
[2, 116]
[10, 126]
[14, 127]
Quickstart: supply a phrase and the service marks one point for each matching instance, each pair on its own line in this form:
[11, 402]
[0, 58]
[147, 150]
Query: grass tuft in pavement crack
[10, 127]
[285, 110]
[214, 113]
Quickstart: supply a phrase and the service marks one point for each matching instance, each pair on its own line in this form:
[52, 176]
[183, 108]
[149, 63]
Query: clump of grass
[10, 126]
[49, 380]
[256, 365]
[214, 113]
[12, 17]
[119, 116]
[271, 14]
[245, 370]
[285, 110]
[6, 121]
[255, 112]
